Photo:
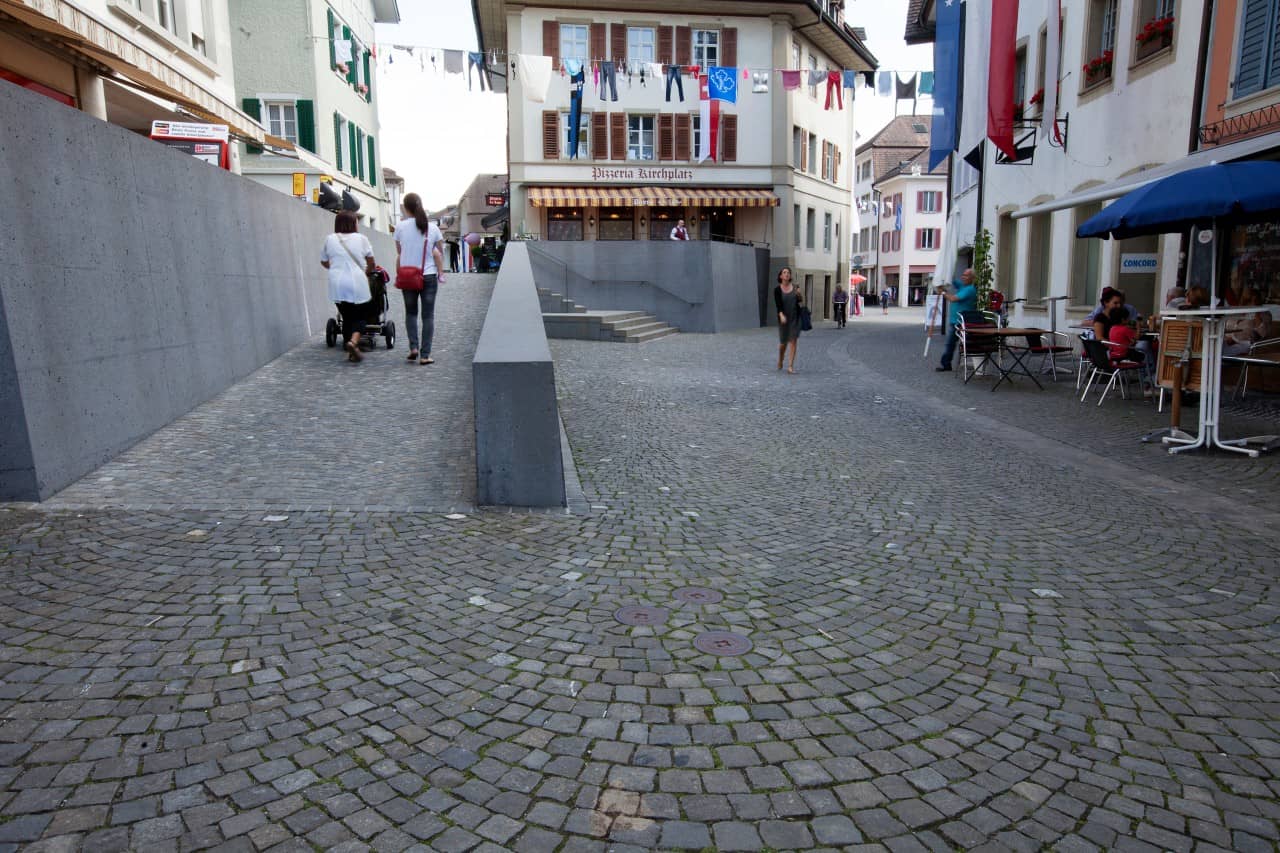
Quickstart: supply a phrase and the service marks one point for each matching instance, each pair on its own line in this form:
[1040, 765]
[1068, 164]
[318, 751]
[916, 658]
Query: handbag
[806, 320]
[410, 278]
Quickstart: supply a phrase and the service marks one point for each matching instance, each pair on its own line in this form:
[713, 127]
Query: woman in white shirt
[418, 245]
[344, 253]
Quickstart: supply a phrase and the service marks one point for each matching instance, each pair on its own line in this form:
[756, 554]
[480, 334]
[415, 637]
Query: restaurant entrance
[716, 223]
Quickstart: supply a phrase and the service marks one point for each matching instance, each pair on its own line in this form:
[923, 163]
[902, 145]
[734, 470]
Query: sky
[438, 135]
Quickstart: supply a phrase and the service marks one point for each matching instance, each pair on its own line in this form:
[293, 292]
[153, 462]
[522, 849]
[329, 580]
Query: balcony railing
[1253, 123]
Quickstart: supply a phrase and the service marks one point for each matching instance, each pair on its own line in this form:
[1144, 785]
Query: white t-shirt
[409, 238]
[347, 281]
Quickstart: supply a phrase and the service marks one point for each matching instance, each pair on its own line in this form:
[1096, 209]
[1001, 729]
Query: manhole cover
[724, 643]
[640, 614]
[698, 595]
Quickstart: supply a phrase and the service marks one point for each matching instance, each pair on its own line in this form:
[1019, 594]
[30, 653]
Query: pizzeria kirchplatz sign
[640, 173]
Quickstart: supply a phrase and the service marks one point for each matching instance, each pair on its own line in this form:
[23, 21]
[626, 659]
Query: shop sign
[299, 183]
[640, 173]
[495, 199]
[1139, 262]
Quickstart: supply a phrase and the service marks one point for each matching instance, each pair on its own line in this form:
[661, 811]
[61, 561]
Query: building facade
[779, 175]
[306, 69]
[129, 62]
[913, 212]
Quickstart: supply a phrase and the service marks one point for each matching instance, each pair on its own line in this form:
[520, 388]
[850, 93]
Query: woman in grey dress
[788, 301]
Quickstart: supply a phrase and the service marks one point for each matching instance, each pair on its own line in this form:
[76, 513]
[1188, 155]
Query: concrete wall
[697, 286]
[519, 459]
[137, 283]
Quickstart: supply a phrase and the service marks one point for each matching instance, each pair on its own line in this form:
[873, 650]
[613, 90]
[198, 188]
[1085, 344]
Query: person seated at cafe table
[1243, 332]
[1197, 297]
[1121, 336]
[1106, 302]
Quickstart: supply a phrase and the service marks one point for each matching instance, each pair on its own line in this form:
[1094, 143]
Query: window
[1020, 76]
[813, 66]
[813, 154]
[617, 223]
[564, 223]
[1086, 261]
[695, 123]
[640, 42]
[584, 136]
[797, 147]
[826, 163]
[344, 131]
[884, 242]
[639, 137]
[1100, 42]
[896, 243]
[795, 55]
[706, 48]
[796, 225]
[574, 42]
[826, 232]
[197, 44]
[662, 220]
[1258, 54]
[810, 223]
[929, 202]
[1006, 276]
[966, 177]
[1040, 247]
[167, 15]
[927, 238]
[282, 120]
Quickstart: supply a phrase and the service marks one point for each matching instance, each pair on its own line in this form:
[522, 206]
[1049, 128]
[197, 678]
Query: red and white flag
[1052, 59]
[1000, 76]
[708, 120]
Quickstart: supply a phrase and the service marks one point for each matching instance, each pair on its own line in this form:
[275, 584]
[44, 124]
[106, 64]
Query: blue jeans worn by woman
[427, 298]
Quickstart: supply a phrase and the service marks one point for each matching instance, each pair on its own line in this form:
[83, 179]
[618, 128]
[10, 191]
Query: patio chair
[1115, 371]
[982, 347]
[1181, 347]
[1252, 357]
[1057, 344]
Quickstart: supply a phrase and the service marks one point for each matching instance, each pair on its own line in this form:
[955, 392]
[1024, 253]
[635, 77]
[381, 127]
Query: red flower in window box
[1160, 29]
[341, 67]
[1037, 99]
[362, 89]
[1099, 67]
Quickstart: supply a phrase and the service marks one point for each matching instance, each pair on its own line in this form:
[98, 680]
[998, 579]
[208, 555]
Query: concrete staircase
[564, 318]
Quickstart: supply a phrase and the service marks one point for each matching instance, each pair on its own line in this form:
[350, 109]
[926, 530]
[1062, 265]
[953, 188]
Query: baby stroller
[376, 320]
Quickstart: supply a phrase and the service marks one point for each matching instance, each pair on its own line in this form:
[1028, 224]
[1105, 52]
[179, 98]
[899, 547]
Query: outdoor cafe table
[1215, 332]
[1018, 354]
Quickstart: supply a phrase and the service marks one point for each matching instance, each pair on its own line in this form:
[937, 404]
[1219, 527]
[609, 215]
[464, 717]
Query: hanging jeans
[673, 76]
[575, 110]
[476, 61]
[608, 77]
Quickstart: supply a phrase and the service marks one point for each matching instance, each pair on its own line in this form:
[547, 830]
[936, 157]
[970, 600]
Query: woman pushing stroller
[348, 256]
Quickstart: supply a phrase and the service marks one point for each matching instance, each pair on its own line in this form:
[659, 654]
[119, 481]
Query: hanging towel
[850, 79]
[869, 78]
[573, 66]
[790, 80]
[817, 77]
[342, 51]
[535, 71]
[655, 70]
[455, 62]
[884, 84]
[926, 83]
[906, 88]
[759, 82]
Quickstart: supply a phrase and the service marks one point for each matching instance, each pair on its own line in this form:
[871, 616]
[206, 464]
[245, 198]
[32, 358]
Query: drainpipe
[1202, 61]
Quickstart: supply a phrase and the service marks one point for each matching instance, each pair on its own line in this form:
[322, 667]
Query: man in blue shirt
[964, 298]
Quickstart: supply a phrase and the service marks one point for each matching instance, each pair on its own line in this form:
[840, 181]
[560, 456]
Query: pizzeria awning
[573, 196]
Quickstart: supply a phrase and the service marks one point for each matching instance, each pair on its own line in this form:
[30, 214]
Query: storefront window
[617, 223]
[564, 223]
[1254, 255]
[662, 220]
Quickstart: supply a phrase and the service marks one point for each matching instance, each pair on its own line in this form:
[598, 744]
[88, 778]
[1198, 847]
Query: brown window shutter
[666, 137]
[551, 41]
[618, 42]
[617, 136]
[729, 47]
[729, 138]
[550, 135]
[684, 45]
[664, 45]
[597, 42]
[599, 136]
[684, 134]
[836, 176]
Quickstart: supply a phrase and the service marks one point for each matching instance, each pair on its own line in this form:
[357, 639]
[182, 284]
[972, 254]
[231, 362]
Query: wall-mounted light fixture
[642, 222]
[591, 221]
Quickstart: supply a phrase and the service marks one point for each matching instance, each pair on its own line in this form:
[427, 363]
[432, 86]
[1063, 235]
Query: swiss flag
[1000, 76]
[709, 117]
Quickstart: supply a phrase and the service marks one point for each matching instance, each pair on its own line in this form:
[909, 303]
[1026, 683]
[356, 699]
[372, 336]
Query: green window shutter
[355, 57]
[337, 141]
[351, 134]
[373, 165]
[368, 77]
[359, 154]
[307, 125]
[333, 48]
[253, 109]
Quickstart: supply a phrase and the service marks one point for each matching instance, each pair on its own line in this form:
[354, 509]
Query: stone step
[651, 335]
[648, 324]
[617, 326]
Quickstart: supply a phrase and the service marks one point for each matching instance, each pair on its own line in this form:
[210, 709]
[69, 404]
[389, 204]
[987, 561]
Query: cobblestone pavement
[967, 632]
[310, 430]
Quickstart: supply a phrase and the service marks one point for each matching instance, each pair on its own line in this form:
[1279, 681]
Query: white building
[129, 63]
[307, 69]
[1132, 114]
[913, 212]
[780, 177]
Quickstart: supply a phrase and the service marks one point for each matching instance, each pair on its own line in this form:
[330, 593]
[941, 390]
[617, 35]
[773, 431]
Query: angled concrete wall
[696, 286]
[518, 452]
[136, 283]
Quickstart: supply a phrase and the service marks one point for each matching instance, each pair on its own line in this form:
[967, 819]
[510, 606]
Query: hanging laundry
[869, 79]
[477, 61]
[673, 76]
[816, 77]
[576, 79]
[454, 62]
[342, 51]
[535, 71]
[884, 84]
[926, 83]
[573, 66]
[759, 82]
[906, 88]
[608, 77]
[722, 84]
[790, 80]
[655, 70]
[850, 80]
[834, 79]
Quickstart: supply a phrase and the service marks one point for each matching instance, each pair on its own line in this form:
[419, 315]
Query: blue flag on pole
[946, 70]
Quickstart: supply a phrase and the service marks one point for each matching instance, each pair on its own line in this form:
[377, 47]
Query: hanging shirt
[535, 73]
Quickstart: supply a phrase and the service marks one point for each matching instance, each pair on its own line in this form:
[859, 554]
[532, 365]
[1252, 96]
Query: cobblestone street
[975, 619]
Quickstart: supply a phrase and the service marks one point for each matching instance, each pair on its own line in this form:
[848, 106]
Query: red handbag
[410, 278]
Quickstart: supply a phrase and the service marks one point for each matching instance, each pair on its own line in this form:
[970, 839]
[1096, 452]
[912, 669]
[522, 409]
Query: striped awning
[650, 197]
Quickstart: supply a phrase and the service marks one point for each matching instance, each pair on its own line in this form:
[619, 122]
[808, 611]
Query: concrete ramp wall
[136, 282]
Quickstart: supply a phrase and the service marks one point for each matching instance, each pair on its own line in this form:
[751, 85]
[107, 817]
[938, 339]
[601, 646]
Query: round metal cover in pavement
[640, 614]
[698, 595]
[723, 643]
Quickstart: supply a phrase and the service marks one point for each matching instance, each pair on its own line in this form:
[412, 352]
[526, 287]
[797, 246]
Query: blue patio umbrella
[1221, 192]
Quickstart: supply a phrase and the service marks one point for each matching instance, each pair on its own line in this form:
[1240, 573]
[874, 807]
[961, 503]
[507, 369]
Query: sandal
[427, 360]
[353, 352]
[413, 354]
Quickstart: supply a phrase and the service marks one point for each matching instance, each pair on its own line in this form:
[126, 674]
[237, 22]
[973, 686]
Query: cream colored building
[129, 62]
[782, 176]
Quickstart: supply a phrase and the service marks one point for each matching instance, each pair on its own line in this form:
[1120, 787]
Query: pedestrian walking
[788, 300]
[679, 232]
[885, 296]
[453, 256]
[418, 239]
[963, 297]
[348, 256]
[841, 303]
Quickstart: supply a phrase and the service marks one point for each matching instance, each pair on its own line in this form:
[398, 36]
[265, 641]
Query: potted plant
[1155, 36]
[983, 268]
[342, 68]
[362, 89]
[1099, 68]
